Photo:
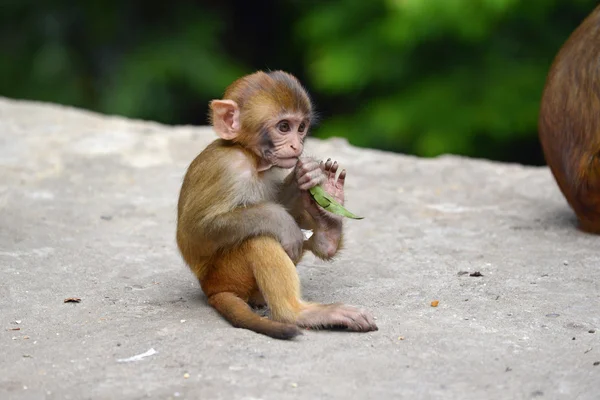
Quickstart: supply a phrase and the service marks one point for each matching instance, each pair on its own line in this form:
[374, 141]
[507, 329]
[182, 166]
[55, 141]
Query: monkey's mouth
[281, 162]
[287, 162]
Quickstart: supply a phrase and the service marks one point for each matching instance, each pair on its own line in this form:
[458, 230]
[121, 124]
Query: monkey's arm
[327, 228]
[327, 238]
[290, 197]
[232, 227]
[307, 174]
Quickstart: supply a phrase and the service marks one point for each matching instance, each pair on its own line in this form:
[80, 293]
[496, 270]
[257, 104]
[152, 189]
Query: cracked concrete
[87, 210]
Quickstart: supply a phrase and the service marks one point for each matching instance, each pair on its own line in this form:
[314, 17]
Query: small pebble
[565, 262]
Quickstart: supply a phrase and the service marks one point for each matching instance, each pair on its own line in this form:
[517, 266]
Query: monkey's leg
[276, 277]
[230, 284]
[278, 281]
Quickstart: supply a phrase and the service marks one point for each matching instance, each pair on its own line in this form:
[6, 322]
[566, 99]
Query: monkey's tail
[239, 314]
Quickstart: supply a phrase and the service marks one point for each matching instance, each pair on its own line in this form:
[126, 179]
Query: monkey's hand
[309, 173]
[332, 185]
[327, 237]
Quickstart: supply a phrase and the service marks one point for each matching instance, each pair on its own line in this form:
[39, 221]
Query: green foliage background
[417, 76]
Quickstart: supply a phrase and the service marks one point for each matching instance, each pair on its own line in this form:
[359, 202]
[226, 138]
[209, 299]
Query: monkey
[569, 122]
[244, 201]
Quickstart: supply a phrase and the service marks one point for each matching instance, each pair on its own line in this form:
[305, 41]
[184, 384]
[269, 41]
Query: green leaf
[328, 203]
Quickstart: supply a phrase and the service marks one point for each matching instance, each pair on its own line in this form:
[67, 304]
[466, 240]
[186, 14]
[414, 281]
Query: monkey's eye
[284, 126]
[302, 127]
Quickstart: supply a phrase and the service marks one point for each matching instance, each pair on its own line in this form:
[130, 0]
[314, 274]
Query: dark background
[413, 76]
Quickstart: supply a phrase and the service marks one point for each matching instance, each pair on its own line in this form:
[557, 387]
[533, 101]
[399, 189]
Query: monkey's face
[283, 140]
[268, 114]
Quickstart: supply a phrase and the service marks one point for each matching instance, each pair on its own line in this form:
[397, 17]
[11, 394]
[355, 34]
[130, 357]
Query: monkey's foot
[258, 304]
[336, 316]
[257, 300]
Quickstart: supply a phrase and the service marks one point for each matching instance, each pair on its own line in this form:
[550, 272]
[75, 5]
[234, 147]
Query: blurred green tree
[140, 59]
[431, 77]
[418, 76]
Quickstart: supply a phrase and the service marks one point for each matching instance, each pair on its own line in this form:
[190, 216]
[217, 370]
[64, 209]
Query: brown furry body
[242, 206]
[569, 122]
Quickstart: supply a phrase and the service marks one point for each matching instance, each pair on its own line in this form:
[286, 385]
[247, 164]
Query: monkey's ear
[225, 118]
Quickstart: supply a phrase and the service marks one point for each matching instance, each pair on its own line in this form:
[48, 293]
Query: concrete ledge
[87, 209]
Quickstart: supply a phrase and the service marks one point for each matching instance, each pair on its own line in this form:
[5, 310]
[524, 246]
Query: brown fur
[569, 121]
[239, 217]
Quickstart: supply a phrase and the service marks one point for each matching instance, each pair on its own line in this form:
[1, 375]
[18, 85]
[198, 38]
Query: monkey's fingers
[357, 320]
[310, 179]
[334, 169]
[302, 167]
[341, 180]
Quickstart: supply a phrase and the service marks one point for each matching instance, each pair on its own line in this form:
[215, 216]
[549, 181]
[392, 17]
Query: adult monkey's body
[240, 218]
[569, 121]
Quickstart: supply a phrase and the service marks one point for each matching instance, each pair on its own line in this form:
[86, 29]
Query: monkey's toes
[339, 316]
[355, 319]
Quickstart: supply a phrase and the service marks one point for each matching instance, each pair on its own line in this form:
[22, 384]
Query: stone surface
[87, 209]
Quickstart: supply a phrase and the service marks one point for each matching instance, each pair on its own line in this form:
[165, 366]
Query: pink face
[284, 140]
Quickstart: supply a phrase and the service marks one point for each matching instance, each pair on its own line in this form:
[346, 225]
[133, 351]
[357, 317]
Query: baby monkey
[244, 201]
